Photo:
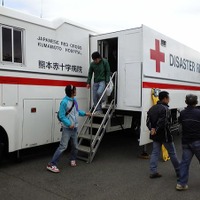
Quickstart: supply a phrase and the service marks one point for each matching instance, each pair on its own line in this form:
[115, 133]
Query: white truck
[145, 59]
[39, 57]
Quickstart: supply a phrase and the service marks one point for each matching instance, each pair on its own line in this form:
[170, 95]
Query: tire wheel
[1, 150]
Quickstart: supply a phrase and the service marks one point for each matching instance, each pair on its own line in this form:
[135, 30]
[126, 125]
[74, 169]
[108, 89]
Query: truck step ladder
[94, 127]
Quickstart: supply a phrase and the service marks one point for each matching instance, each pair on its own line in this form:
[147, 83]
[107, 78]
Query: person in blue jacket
[68, 115]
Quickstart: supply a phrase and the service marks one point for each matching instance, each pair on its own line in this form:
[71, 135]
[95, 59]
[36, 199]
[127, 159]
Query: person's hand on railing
[88, 114]
[88, 86]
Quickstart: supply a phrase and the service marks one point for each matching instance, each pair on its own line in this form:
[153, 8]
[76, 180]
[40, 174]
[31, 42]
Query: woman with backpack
[68, 115]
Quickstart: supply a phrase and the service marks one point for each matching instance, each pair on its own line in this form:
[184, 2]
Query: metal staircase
[94, 127]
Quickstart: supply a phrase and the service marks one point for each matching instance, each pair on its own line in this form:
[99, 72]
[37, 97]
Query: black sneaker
[156, 175]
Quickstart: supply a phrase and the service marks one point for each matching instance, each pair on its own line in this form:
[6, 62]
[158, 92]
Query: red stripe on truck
[38, 81]
[169, 86]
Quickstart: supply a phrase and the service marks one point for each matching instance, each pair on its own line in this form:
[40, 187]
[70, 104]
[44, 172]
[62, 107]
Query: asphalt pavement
[116, 173]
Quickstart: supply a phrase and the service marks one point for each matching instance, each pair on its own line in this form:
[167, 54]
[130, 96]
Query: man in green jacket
[101, 69]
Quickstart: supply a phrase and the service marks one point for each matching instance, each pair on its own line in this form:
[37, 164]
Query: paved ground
[115, 174]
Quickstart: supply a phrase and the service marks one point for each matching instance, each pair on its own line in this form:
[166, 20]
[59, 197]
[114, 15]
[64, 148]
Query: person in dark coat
[190, 120]
[158, 122]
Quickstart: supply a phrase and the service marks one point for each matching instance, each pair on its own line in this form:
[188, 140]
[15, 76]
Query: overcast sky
[178, 19]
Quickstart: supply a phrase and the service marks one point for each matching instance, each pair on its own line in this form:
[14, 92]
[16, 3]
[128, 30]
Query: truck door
[131, 69]
[123, 50]
[108, 48]
[133, 84]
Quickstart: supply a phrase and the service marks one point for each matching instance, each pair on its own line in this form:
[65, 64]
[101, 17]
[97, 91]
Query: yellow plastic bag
[165, 155]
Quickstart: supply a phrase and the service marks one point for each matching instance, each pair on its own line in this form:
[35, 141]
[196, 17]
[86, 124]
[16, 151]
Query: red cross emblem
[157, 55]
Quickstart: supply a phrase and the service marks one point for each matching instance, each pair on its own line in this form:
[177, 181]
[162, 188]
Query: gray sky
[178, 19]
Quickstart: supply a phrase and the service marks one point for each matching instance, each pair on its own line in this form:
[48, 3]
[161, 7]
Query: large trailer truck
[39, 57]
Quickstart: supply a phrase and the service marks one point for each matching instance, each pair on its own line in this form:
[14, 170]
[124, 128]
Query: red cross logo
[157, 55]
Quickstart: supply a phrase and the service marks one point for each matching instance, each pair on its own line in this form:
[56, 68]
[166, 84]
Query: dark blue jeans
[189, 150]
[155, 155]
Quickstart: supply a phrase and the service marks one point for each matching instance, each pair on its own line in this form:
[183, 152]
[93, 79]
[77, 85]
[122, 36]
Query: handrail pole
[114, 74]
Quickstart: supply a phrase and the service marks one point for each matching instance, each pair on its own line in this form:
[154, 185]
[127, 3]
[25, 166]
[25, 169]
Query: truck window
[11, 45]
[17, 46]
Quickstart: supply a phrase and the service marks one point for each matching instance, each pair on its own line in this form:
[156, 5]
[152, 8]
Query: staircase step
[99, 115]
[82, 158]
[85, 149]
[106, 107]
[93, 125]
[86, 136]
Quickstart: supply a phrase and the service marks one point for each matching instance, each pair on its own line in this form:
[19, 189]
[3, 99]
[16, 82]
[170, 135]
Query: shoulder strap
[70, 109]
[167, 110]
[167, 116]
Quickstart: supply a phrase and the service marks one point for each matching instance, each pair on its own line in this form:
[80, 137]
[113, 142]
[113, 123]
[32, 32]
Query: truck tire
[3, 143]
[1, 150]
